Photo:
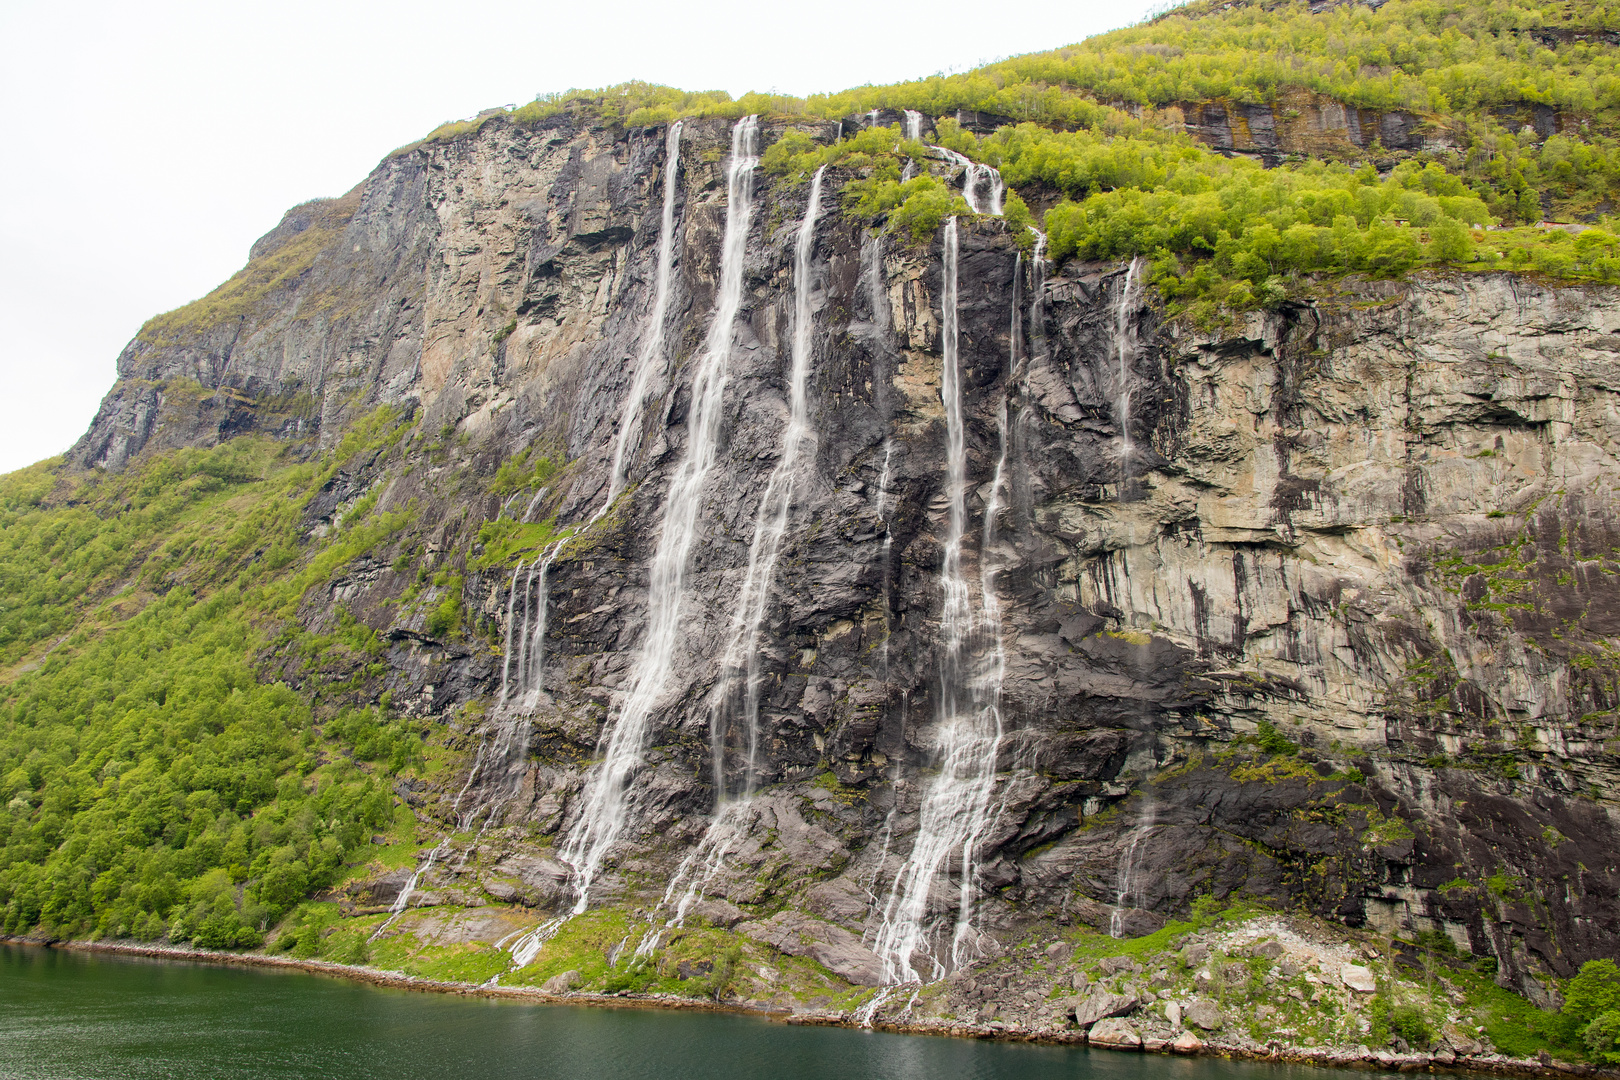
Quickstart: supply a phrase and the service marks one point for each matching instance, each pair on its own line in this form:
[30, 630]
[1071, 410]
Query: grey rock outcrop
[1100, 1005]
[834, 948]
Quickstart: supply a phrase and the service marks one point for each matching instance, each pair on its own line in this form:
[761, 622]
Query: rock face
[1315, 607]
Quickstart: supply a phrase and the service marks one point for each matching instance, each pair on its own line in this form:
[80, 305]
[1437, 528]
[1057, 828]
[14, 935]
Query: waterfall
[973, 174]
[603, 805]
[740, 667]
[506, 656]
[652, 346]
[741, 663]
[1122, 342]
[1037, 294]
[534, 502]
[534, 662]
[403, 899]
[888, 547]
[1125, 881]
[956, 806]
[914, 123]
[880, 326]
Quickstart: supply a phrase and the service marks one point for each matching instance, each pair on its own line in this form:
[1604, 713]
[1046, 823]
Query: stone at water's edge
[1186, 1043]
[561, 984]
[1115, 1033]
[1095, 1007]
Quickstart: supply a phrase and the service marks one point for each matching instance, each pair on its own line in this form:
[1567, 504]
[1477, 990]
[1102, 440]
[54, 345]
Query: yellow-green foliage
[1429, 55]
[505, 541]
[1275, 771]
[152, 784]
[526, 471]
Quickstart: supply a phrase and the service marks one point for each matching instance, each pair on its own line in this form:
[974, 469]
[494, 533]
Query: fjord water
[73, 1016]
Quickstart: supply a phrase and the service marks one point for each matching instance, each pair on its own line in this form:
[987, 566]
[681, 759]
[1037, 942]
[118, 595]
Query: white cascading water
[739, 670]
[1126, 881]
[534, 502]
[740, 676]
[879, 299]
[1037, 296]
[1122, 342]
[652, 346]
[956, 806]
[973, 175]
[914, 123]
[604, 807]
[462, 821]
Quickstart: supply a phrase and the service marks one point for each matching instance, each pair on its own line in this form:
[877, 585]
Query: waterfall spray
[741, 663]
[1125, 880]
[1122, 342]
[973, 175]
[956, 806]
[603, 805]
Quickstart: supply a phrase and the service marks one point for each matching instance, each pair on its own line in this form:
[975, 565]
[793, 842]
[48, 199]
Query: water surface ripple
[77, 1016]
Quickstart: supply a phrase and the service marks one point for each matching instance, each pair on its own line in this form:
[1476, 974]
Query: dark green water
[72, 1015]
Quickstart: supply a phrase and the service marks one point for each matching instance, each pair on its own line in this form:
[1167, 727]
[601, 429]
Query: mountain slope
[1225, 558]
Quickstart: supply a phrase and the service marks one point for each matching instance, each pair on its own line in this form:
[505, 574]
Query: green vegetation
[153, 783]
[524, 472]
[1591, 1011]
[1272, 741]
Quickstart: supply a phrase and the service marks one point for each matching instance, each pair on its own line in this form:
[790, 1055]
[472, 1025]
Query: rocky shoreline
[1187, 1044]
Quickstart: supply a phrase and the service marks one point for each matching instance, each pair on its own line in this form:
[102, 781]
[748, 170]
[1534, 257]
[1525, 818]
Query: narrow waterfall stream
[956, 805]
[740, 669]
[652, 345]
[737, 696]
[604, 806]
[1124, 345]
[1127, 879]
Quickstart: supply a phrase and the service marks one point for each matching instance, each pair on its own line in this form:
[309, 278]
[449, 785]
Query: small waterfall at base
[956, 806]
[603, 804]
[1122, 342]
[403, 899]
[740, 667]
[1125, 880]
[652, 347]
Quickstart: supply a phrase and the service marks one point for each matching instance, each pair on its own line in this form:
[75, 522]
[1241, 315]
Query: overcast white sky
[148, 145]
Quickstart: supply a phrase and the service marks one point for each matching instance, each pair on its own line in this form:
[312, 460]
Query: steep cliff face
[1379, 528]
